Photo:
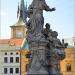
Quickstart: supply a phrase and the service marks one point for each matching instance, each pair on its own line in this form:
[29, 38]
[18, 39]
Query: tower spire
[18, 11]
[22, 11]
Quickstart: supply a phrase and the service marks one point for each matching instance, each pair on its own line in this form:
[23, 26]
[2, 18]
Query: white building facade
[9, 60]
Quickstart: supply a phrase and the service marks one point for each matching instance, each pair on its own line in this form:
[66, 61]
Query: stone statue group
[46, 48]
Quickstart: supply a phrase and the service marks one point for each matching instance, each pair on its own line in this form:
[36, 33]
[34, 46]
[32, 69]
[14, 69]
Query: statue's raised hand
[52, 9]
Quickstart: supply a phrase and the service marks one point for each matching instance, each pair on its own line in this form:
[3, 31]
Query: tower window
[11, 70]
[19, 34]
[11, 59]
[5, 59]
[5, 70]
[68, 67]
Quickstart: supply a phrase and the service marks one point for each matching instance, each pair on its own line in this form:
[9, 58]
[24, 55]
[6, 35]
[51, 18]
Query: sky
[61, 20]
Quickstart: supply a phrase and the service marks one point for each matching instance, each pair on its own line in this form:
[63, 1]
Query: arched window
[68, 66]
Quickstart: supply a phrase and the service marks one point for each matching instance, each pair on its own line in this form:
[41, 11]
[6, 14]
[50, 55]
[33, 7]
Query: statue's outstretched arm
[47, 8]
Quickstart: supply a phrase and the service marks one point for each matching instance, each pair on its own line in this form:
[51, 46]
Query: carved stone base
[43, 61]
[37, 63]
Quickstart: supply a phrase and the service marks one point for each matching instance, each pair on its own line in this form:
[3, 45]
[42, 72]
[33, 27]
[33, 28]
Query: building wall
[24, 62]
[6, 48]
[69, 59]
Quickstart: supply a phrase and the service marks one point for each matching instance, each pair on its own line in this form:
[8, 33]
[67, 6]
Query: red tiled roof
[17, 42]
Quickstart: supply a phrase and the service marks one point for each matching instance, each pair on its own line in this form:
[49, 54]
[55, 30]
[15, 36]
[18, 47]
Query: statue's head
[47, 26]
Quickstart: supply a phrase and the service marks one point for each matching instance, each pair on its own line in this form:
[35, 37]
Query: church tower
[18, 30]
[22, 9]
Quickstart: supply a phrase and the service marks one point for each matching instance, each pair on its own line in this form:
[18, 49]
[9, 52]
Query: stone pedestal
[37, 63]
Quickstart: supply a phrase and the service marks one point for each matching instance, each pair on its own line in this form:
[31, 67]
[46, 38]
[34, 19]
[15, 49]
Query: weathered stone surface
[46, 48]
[36, 21]
[38, 58]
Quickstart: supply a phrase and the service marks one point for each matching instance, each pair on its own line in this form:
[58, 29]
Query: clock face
[19, 34]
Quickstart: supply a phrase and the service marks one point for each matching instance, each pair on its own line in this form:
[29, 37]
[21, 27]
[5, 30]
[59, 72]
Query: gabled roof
[17, 42]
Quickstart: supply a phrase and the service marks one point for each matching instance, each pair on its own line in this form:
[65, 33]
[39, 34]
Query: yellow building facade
[68, 64]
[24, 61]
